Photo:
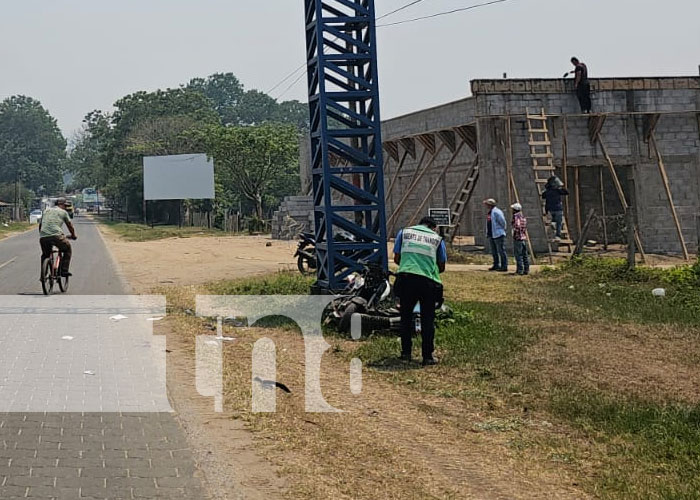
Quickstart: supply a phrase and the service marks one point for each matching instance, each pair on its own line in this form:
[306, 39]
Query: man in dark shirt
[582, 85]
[554, 190]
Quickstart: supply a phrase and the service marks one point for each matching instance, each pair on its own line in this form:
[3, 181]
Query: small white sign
[443, 216]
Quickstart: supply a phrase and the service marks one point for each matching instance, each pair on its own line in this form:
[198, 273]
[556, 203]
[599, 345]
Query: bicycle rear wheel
[46, 277]
[63, 283]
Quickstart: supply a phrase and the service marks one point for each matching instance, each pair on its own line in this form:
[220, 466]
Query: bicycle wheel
[63, 283]
[46, 276]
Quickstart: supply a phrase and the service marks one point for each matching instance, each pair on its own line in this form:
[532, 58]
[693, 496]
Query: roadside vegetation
[142, 232]
[8, 228]
[579, 375]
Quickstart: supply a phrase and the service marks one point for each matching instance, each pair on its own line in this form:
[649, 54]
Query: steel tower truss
[346, 144]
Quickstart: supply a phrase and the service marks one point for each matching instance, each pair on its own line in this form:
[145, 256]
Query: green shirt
[419, 248]
[52, 222]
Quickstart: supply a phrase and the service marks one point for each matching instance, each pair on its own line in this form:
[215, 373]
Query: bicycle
[51, 273]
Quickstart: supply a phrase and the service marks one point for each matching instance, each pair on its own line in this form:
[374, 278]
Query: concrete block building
[642, 129]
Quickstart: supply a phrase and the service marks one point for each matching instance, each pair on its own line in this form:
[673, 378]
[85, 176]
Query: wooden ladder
[461, 200]
[543, 168]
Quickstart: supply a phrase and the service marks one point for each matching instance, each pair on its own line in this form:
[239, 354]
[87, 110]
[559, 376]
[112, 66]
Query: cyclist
[51, 234]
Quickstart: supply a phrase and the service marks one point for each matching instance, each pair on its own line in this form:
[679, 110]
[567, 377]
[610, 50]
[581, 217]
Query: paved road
[94, 271]
[56, 441]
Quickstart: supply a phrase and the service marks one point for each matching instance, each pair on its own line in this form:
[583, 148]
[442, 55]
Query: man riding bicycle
[51, 234]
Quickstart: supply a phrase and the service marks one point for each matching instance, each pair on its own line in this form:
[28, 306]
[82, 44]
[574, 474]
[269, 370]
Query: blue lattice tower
[346, 144]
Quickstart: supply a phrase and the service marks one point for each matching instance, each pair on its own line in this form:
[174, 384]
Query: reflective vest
[419, 247]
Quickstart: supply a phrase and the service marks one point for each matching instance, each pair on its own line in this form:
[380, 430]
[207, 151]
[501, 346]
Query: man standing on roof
[582, 85]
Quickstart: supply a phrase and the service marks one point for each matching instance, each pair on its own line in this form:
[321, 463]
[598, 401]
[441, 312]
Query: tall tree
[156, 123]
[225, 92]
[85, 160]
[255, 160]
[32, 148]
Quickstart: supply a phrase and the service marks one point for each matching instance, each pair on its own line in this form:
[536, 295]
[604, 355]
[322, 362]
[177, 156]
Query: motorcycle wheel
[344, 325]
[305, 265]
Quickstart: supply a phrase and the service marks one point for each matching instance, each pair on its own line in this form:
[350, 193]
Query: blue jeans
[522, 257]
[498, 251]
[558, 220]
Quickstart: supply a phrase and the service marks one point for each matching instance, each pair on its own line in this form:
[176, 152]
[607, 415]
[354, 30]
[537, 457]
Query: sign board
[178, 177]
[89, 195]
[443, 216]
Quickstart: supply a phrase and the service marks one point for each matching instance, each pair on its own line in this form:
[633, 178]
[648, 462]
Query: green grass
[634, 448]
[13, 227]
[141, 232]
[653, 451]
[607, 288]
[282, 283]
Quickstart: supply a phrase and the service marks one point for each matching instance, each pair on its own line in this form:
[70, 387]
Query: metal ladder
[543, 168]
[461, 199]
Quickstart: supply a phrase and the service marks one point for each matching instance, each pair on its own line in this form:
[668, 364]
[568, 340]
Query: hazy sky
[79, 55]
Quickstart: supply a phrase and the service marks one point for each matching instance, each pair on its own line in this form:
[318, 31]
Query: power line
[291, 75]
[406, 6]
[410, 4]
[445, 13]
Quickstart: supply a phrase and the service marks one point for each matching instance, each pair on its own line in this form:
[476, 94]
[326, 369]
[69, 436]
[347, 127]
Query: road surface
[95, 272]
[63, 368]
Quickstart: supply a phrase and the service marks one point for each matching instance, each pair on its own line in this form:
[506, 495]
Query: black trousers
[583, 92]
[61, 242]
[413, 289]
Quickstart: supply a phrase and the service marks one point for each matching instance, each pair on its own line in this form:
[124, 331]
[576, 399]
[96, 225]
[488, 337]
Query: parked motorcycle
[306, 253]
[306, 250]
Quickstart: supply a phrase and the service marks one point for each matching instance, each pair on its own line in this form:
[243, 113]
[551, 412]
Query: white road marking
[8, 262]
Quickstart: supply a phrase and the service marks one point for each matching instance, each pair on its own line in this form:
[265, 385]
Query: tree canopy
[254, 141]
[32, 148]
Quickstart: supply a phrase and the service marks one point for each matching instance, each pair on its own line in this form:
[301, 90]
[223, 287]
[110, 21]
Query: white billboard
[178, 177]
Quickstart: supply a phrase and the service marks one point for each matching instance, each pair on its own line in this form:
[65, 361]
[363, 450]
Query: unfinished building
[639, 148]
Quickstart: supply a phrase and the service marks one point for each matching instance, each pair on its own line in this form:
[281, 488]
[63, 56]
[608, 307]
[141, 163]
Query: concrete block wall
[623, 100]
[677, 134]
[294, 215]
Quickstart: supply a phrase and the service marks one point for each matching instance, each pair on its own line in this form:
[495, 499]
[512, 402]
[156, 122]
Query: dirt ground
[198, 259]
[399, 438]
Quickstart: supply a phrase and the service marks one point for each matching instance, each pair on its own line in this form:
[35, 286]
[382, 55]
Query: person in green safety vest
[421, 255]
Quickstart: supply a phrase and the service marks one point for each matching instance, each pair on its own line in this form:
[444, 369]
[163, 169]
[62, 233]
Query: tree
[32, 148]
[258, 162]
[236, 106]
[85, 155]
[164, 122]
[225, 92]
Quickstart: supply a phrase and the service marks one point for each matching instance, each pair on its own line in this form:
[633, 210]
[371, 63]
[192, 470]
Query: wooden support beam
[584, 233]
[394, 178]
[409, 144]
[621, 195]
[669, 196]
[428, 141]
[392, 149]
[603, 211]
[416, 180]
[650, 121]
[595, 125]
[429, 194]
[565, 164]
[577, 199]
